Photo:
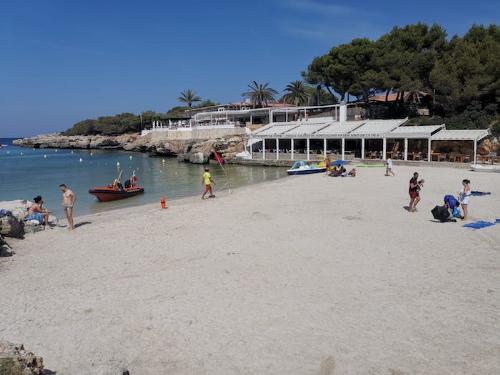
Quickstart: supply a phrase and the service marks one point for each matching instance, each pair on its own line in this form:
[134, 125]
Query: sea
[26, 173]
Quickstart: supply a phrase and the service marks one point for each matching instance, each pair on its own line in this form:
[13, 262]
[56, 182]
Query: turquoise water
[26, 172]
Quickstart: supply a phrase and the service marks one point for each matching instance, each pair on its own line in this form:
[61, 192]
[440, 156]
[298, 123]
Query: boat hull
[108, 194]
[485, 168]
[305, 171]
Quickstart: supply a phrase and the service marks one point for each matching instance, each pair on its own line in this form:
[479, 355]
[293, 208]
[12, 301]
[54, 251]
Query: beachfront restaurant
[313, 138]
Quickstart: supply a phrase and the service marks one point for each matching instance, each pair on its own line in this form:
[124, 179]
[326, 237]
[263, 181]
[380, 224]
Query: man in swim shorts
[68, 203]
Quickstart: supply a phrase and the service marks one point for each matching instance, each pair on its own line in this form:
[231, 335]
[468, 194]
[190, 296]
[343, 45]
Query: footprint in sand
[327, 366]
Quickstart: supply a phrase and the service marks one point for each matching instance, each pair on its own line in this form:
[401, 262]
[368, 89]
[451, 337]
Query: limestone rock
[15, 360]
[194, 151]
[198, 158]
[10, 226]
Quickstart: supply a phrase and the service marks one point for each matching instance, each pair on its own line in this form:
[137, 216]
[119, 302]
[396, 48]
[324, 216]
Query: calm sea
[26, 172]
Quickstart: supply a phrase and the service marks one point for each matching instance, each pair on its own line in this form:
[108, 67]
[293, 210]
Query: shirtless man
[68, 202]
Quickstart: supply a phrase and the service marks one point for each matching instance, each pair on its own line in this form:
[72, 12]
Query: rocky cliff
[193, 151]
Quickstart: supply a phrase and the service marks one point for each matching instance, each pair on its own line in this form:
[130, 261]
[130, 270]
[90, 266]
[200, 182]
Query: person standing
[388, 168]
[328, 162]
[206, 180]
[464, 196]
[68, 203]
[414, 191]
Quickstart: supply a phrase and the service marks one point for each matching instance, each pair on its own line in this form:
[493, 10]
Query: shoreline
[285, 276]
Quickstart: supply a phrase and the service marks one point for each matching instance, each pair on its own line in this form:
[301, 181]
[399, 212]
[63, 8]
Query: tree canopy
[260, 94]
[462, 74]
[189, 97]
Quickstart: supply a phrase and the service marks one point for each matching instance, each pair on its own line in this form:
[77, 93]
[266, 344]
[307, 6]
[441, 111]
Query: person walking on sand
[388, 168]
[68, 203]
[464, 196]
[414, 191]
[207, 182]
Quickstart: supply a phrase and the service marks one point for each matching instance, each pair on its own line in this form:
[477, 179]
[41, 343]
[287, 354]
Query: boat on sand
[485, 168]
[108, 193]
[302, 167]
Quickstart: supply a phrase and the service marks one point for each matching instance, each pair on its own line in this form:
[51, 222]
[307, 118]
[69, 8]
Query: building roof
[376, 128]
[415, 131]
[460, 135]
[276, 129]
[306, 128]
[339, 129]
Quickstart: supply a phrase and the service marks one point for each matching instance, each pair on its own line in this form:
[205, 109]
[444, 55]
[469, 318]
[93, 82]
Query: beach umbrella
[339, 162]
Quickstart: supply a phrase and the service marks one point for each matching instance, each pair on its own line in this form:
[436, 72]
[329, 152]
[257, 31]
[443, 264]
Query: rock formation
[15, 360]
[193, 151]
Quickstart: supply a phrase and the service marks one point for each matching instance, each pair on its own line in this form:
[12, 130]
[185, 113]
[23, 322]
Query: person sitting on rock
[37, 212]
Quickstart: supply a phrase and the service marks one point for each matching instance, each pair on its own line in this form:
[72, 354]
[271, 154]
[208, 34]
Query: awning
[460, 135]
[376, 128]
[339, 129]
[415, 131]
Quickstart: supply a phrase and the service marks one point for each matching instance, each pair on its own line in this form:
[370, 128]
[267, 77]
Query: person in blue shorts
[38, 212]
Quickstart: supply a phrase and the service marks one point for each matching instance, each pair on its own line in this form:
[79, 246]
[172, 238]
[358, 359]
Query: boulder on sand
[15, 360]
[10, 226]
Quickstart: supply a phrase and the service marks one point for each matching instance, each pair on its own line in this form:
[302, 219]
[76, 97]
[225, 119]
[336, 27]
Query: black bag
[441, 213]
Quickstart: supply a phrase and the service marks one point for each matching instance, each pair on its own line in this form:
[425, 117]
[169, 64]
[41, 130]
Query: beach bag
[441, 213]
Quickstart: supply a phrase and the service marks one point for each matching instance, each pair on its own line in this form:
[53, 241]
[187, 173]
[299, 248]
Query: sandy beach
[303, 275]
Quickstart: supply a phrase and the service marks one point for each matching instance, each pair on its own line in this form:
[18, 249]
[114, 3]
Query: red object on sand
[108, 194]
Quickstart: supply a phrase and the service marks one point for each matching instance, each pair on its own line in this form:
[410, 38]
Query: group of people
[337, 171]
[451, 202]
[39, 213]
[129, 183]
[340, 172]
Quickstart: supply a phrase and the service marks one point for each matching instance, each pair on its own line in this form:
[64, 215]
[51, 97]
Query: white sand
[306, 275]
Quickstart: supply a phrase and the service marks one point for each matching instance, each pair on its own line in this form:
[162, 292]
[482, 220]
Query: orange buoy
[163, 202]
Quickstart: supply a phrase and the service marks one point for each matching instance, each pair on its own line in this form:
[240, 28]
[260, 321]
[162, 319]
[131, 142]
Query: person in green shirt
[207, 181]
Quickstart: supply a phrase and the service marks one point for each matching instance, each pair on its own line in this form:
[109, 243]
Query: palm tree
[297, 93]
[189, 97]
[260, 94]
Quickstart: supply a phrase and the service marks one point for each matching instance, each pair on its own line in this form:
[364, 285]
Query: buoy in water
[45, 156]
[130, 157]
[72, 152]
[163, 161]
[81, 160]
[56, 150]
[91, 154]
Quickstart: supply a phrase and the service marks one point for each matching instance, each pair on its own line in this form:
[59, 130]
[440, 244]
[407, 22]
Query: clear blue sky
[63, 61]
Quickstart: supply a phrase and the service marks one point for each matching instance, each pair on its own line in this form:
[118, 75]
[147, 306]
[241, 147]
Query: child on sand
[464, 196]
[207, 181]
[388, 168]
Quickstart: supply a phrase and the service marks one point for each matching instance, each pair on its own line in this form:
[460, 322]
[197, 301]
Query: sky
[62, 61]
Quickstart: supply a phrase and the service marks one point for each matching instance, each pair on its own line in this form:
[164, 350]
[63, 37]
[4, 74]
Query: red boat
[108, 194]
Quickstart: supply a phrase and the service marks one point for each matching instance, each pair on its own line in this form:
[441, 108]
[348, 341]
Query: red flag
[219, 158]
